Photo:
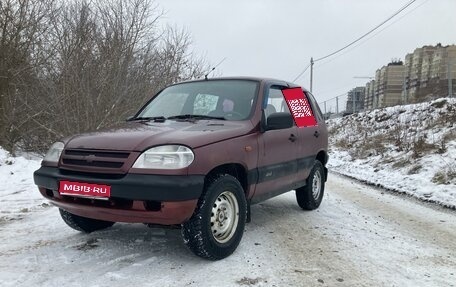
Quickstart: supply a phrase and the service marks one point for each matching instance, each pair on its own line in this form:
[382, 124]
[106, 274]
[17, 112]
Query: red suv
[198, 154]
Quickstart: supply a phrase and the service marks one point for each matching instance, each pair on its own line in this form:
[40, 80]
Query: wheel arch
[234, 169]
[323, 157]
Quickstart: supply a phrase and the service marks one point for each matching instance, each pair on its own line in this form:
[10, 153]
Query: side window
[316, 109]
[204, 104]
[276, 102]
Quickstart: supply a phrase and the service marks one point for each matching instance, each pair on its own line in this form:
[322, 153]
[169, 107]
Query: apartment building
[429, 71]
[442, 72]
[417, 72]
[369, 95]
[355, 100]
[388, 85]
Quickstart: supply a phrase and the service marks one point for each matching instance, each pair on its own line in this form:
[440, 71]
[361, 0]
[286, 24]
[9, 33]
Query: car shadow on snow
[140, 243]
[123, 239]
[276, 210]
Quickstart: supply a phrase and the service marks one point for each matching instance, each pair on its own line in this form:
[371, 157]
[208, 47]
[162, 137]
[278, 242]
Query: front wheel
[217, 226]
[310, 196]
[83, 224]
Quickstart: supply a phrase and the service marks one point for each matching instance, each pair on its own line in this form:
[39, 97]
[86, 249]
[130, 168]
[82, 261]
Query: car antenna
[205, 76]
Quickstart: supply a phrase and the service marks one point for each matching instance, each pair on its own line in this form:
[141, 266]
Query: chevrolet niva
[197, 155]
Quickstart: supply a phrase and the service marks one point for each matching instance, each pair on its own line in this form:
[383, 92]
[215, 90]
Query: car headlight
[165, 157]
[54, 153]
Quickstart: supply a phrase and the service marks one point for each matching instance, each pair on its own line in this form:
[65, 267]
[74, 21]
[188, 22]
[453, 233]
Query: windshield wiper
[156, 119]
[195, 117]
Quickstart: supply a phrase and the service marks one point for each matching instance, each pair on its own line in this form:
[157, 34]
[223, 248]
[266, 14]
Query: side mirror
[278, 121]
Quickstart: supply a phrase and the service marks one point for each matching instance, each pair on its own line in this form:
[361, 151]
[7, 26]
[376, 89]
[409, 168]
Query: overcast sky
[276, 39]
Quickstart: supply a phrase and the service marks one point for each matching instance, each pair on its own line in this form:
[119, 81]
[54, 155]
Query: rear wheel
[217, 226]
[309, 197]
[83, 224]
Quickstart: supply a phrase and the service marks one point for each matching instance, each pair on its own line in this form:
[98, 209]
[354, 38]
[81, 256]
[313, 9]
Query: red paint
[299, 107]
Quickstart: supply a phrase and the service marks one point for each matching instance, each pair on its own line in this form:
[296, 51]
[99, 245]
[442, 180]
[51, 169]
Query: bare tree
[113, 59]
[84, 65]
[23, 52]
[177, 62]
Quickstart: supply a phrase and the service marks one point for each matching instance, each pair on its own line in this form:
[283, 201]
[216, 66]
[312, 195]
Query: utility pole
[311, 72]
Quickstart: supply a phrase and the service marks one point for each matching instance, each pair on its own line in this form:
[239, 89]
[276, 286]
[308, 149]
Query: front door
[278, 151]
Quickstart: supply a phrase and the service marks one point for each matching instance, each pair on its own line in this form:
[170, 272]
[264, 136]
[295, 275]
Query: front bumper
[135, 198]
[131, 186]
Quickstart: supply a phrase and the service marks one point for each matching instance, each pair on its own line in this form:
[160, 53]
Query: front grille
[97, 153]
[95, 158]
[96, 163]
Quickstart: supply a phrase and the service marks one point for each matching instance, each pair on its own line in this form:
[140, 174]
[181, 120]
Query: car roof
[246, 78]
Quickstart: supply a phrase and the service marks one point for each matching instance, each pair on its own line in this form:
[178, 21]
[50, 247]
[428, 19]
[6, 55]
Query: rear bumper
[140, 198]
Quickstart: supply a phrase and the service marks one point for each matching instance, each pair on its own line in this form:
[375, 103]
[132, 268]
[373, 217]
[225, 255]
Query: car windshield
[211, 99]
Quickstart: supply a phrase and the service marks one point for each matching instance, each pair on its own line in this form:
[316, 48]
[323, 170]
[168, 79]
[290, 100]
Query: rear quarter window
[315, 108]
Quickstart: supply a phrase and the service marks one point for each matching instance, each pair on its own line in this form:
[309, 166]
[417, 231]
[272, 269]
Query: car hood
[138, 136]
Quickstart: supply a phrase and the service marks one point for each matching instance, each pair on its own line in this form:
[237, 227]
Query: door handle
[316, 134]
[292, 138]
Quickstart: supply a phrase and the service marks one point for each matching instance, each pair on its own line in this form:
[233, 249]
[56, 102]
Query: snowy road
[360, 236]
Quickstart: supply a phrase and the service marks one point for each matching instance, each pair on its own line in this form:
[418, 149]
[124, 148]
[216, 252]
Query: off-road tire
[203, 233]
[310, 196]
[83, 224]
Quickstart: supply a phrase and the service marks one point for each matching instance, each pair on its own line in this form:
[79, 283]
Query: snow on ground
[16, 179]
[358, 237]
[410, 149]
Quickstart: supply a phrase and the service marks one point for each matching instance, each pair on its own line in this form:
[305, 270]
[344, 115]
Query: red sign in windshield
[299, 107]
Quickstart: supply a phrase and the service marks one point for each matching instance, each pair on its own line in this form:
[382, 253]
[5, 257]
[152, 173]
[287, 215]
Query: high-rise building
[369, 95]
[442, 72]
[378, 88]
[427, 73]
[355, 100]
[429, 70]
[389, 82]
[408, 70]
[414, 72]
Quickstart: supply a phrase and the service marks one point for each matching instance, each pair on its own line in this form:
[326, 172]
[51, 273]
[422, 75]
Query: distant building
[369, 95]
[417, 69]
[355, 100]
[388, 85]
[442, 72]
[426, 74]
[428, 71]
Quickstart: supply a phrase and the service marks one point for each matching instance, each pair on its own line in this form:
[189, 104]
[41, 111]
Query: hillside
[410, 149]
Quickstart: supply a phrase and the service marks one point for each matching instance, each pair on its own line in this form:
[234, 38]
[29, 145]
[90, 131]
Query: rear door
[310, 138]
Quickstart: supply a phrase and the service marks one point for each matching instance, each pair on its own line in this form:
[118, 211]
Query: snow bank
[18, 193]
[409, 149]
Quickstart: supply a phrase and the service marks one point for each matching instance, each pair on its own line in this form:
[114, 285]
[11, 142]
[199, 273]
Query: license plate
[83, 189]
